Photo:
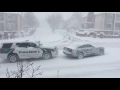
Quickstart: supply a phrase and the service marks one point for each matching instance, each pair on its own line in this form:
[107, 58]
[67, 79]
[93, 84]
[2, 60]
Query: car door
[6, 48]
[91, 49]
[83, 49]
[34, 51]
[22, 50]
[88, 49]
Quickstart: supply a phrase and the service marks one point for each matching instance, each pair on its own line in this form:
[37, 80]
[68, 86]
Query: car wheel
[46, 56]
[13, 58]
[80, 56]
[101, 52]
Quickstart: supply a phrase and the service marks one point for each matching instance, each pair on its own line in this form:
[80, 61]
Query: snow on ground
[106, 42]
[44, 35]
[106, 66]
[90, 67]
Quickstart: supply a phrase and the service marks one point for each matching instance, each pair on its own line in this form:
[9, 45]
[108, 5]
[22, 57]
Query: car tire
[80, 56]
[101, 52]
[46, 56]
[13, 58]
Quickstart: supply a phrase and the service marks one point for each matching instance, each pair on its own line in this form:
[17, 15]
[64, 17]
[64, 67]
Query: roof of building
[18, 13]
[97, 13]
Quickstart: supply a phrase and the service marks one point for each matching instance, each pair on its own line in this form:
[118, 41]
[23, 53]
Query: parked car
[82, 50]
[15, 51]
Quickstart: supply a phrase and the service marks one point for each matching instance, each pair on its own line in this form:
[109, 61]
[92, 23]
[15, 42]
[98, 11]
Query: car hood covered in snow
[48, 47]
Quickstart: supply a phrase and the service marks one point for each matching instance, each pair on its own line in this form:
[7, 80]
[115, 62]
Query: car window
[32, 45]
[25, 45]
[89, 45]
[7, 45]
[83, 46]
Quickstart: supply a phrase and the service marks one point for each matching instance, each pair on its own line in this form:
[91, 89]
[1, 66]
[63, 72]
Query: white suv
[26, 50]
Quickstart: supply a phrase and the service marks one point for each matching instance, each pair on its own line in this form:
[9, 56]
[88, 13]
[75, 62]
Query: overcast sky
[43, 15]
[66, 15]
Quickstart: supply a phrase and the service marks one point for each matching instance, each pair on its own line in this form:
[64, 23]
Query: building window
[1, 16]
[117, 26]
[10, 26]
[109, 17]
[1, 26]
[109, 26]
[11, 16]
[117, 17]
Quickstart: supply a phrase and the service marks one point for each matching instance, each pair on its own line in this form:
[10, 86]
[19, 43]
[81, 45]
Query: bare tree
[91, 19]
[23, 71]
[30, 20]
[55, 21]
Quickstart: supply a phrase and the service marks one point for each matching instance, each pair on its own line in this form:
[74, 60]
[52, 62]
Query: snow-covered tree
[55, 21]
[30, 20]
[91, 17]
[74, 21]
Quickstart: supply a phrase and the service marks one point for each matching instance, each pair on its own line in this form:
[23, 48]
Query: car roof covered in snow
[76, 45]
[17, 42]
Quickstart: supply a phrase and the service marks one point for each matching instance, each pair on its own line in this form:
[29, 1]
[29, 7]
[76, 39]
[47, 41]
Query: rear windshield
[7, 45]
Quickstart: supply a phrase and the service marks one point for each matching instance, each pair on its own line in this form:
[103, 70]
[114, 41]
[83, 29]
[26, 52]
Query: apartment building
[9, 23]
[107, 22]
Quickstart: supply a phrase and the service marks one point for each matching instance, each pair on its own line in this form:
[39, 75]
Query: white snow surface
[42, 34]
[106, 66]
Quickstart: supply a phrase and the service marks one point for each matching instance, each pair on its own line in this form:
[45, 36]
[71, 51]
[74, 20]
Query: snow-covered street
[106, 66]
[90, 67]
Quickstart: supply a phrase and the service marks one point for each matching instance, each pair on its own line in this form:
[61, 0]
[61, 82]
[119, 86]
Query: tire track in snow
[67, 40]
